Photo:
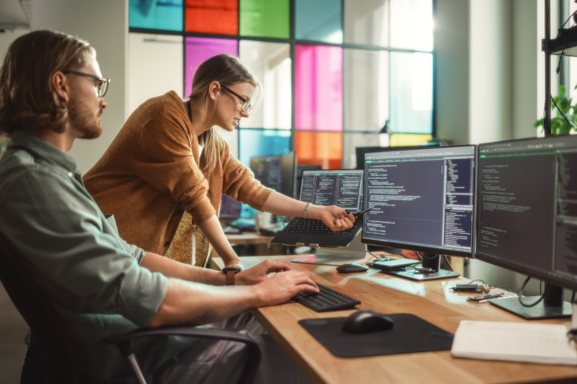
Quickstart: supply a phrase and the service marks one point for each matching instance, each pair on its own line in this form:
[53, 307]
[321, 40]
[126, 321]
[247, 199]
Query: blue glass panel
[411, 96]
[155, 14]
[258, 142]
[319, 20]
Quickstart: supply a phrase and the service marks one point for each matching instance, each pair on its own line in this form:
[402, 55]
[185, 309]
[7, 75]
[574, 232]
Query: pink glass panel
[198, 49]
[319, 88]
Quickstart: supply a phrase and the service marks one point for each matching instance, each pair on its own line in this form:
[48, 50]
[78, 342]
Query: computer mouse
[351, 268]
[367, 321]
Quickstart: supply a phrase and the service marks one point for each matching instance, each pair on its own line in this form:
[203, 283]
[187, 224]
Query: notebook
[521, 342]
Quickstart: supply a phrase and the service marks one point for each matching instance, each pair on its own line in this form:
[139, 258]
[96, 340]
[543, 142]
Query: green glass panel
[265, 18]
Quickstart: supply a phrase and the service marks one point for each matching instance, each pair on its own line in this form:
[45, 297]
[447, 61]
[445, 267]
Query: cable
[447, 261]
[559, 109]
[426, 257]
[472, 281]
[569, 18]
[521, 294]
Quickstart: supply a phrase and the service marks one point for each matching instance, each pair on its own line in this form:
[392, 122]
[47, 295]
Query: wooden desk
[431, 301]
[248, 238]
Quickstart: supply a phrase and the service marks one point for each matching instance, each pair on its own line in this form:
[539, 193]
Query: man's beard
[82, 119]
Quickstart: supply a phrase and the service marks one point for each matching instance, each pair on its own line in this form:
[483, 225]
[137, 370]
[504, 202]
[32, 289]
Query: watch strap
[230, 274]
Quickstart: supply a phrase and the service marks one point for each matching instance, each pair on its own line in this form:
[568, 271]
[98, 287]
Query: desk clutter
[410, 334]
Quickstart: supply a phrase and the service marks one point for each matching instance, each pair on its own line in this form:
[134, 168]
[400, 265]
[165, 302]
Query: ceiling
[14, 13]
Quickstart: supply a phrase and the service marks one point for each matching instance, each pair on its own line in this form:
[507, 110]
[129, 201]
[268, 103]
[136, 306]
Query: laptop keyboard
[326, 300]
[302, 225]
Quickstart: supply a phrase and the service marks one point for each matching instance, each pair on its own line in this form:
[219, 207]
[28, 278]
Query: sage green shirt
[90, 275]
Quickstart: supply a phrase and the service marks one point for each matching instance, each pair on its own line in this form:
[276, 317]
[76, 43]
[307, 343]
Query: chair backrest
[41, 317]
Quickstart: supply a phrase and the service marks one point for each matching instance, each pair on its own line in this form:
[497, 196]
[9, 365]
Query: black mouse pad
[410, 334]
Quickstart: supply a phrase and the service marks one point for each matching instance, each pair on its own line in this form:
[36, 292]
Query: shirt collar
[42, 149]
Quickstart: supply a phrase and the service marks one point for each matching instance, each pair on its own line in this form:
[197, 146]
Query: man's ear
[61, 86]
[213, 90]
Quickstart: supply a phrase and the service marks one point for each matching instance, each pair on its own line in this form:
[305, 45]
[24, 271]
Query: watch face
[235, 269]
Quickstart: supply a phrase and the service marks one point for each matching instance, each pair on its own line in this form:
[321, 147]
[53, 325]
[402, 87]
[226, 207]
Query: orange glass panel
[212, 16]
[319, 148]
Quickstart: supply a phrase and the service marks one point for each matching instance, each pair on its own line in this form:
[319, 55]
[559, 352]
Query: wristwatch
[230, 273]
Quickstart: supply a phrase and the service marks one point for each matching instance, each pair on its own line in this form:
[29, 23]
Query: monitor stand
[352, 253]
[432, 261]
[552, 306]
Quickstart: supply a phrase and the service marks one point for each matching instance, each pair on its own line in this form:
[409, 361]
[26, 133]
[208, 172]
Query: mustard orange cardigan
[151, 181]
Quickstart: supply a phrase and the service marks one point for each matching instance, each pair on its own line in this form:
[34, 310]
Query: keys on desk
[326, 300]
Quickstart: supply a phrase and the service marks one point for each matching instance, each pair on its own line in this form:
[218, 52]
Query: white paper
[523, 342]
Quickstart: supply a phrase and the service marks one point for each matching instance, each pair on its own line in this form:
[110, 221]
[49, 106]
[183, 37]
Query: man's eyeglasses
[101, 86]
[246, 106]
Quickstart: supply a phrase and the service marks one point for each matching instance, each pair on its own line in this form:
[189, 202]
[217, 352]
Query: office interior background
[333, 72]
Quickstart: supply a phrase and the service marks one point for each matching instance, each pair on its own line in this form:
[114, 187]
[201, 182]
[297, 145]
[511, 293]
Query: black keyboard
[301, 225]
[326, 300]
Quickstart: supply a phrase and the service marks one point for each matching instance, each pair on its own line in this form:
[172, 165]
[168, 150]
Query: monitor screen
[229, 208]
[277, 172]
[300, 169]
[333, 187]
[424, 199]
[362, 151]
[527, 210]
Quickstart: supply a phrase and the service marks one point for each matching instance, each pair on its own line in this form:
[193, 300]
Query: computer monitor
[229, 208]
[343, 188]
[362, 151]
[527, 216]
[300, 170]
[277, 172]
[424, 201]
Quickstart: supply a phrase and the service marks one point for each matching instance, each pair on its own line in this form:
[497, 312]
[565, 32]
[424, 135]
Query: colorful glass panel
[212, 16]
[259, 142]
[319, 20]
[366, 90]
[367, 22]
[270, 63]
[319, 148]
[409, 139]
[199, 49]
[412, 24]
[265, 18]
[160, 14]
[318, 88]
[411, 92]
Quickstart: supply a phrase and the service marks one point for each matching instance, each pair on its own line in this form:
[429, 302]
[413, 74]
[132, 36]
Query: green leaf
[539, 123]
[562, 90]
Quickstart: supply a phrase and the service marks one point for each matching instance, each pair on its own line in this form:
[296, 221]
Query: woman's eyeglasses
[101, 86]
[246, 105]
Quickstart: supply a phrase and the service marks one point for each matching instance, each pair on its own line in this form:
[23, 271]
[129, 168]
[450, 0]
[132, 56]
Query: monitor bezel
[418, 248]
[555, 280]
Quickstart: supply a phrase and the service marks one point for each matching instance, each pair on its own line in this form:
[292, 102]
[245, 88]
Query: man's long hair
[27, 98]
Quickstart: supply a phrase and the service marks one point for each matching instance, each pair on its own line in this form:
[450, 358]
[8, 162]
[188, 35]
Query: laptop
[343, 188]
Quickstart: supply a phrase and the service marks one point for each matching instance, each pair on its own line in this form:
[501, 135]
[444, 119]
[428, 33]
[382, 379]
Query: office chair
[58, 344]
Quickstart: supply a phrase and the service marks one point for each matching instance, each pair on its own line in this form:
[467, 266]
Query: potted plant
[560, 125]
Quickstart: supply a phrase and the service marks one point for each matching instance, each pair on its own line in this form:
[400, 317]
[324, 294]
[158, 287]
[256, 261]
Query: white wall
[104, 24]
[452, 70]
[490, 71]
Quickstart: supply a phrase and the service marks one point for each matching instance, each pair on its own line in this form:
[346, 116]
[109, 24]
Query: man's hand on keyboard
[259, 272]
[282, 286]
[337, 219]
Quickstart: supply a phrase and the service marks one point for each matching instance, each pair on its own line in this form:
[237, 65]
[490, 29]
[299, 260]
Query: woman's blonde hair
[227, 70]
[27, 99]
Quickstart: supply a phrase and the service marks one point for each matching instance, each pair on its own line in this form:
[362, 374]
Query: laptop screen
[342, 188]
